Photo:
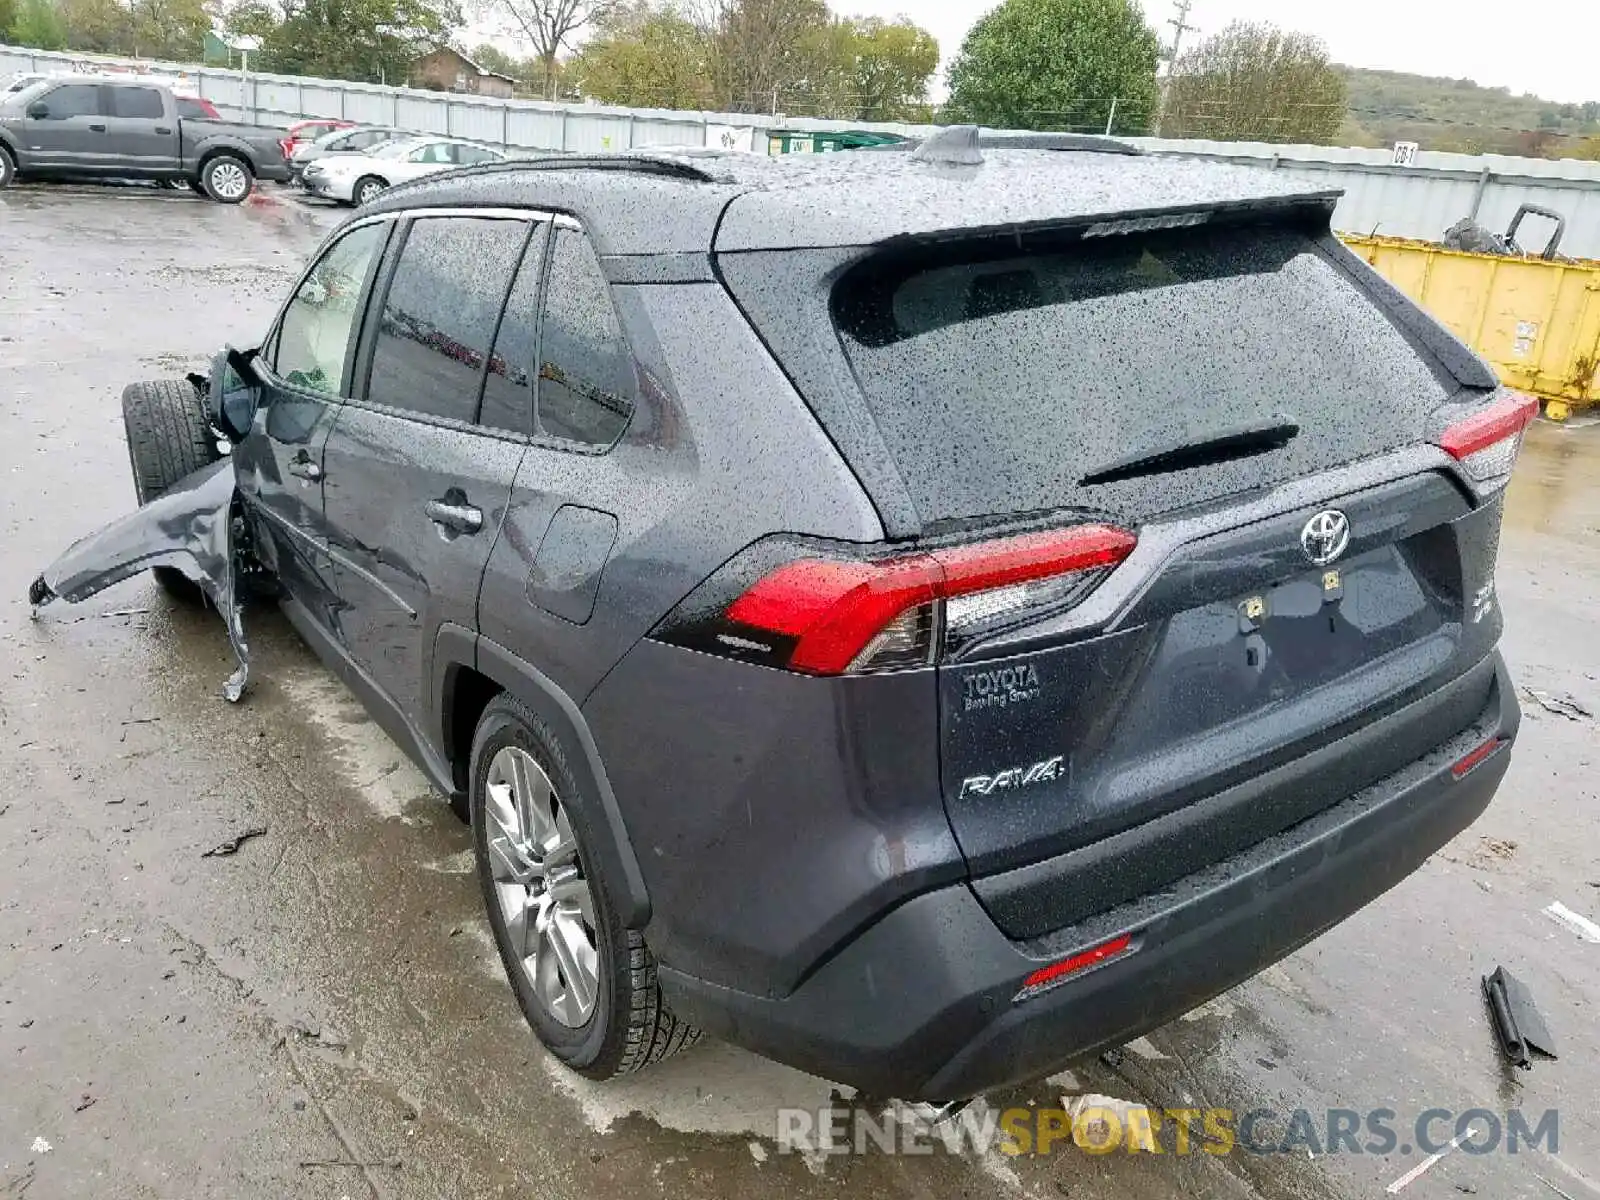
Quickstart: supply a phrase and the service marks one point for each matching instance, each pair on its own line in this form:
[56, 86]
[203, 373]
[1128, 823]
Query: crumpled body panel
[190, 528]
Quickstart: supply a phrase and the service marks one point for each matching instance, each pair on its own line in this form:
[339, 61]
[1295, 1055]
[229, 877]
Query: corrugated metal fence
[1419, 200]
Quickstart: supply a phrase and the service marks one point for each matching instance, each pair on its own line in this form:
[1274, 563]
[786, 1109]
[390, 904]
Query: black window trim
[361, 361]
[269, 372]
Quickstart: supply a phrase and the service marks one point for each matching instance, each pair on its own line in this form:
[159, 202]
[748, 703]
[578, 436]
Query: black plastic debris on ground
[1516, 1019]
[231, 846]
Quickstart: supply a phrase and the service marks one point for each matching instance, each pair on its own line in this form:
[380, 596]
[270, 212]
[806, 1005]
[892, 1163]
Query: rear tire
[366, 190]
[626, 1024]
[227, 179]
[168, 438]
[8, 168]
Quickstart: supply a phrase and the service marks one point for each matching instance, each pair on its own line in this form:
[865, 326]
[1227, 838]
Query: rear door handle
[162, 129]
[458, 518]
[97, 129]
[301, 467]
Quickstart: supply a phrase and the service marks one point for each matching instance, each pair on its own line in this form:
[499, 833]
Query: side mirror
[38, 110]
[235, 393]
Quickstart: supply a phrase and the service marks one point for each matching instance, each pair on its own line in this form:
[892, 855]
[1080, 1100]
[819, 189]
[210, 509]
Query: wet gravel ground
[322, 1013]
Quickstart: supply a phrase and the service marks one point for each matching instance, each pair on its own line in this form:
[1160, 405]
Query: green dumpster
[825, 141]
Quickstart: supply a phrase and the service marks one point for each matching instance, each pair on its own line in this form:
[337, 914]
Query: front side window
[434, 152]
[141, 103]
[439, 315]
[74, 100]
[312, 346]
[586, 377]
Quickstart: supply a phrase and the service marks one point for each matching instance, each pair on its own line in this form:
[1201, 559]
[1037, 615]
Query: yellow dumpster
[1537, 321]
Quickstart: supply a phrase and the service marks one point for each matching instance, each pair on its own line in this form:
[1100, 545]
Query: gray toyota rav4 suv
[924, 616]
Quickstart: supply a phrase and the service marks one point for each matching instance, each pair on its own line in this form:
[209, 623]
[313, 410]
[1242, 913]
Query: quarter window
[438, 317]
[313, 339]
[586, 377]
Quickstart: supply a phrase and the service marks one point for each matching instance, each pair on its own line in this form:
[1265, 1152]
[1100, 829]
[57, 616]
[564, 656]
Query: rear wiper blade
[1239, 442]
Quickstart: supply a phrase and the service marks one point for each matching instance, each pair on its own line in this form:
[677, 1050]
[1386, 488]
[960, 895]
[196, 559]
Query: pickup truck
[109, 129]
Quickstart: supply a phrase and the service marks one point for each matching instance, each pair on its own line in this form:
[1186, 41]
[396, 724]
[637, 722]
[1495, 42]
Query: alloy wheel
[544, 897]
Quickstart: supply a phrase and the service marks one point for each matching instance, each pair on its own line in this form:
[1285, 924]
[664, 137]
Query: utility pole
[1180, 26]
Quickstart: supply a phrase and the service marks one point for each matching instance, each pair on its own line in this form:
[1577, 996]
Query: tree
[251, 18]
[38, 25]
[528, 73]
[874, 70]
[645, 56]
[8, 16]
[759, 51]
[1256, 82]
[550, 25]
[1058, 64]
[371, 40]
[171, 29]
[98, 26]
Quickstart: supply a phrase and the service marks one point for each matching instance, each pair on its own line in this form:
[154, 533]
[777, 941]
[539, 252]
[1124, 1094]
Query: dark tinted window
[468, 155]
[141, 102]
[1001, 379]
[313, 342]
[508, 387]
[586, 379]
[74, 100]
[192, 110]
[439, 314]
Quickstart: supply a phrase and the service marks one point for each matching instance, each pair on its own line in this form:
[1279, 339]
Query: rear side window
[1000, 379]
[74, 100]
[586, 377]
[138, 102]
[439, 314]
[192, 110]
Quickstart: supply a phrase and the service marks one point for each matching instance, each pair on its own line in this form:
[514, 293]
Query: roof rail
[1031, 141]
[666, 166]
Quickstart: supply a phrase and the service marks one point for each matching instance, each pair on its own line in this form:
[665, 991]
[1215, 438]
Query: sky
[1548, 47]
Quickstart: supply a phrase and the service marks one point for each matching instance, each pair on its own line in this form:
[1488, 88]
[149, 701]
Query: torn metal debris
[193, 527]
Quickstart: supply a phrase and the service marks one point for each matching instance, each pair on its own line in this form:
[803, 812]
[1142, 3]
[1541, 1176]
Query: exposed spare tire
[169, 437]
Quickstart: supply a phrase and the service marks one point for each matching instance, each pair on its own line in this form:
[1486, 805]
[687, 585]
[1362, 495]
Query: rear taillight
[1486, 443]
[831, 614]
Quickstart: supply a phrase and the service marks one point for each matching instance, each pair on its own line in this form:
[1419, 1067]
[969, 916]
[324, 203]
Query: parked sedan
[342, 141]
[302, 132]
[357, 178]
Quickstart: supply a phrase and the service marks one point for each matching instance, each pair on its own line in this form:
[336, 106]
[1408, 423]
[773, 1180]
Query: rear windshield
[1000, 378]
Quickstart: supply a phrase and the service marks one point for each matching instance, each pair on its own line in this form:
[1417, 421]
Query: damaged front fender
[194, 527]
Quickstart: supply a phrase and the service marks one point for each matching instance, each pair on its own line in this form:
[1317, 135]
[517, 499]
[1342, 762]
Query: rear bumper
[921, 1005]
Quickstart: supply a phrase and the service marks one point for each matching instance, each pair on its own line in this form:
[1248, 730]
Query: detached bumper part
[190, 528]
[924, 1004]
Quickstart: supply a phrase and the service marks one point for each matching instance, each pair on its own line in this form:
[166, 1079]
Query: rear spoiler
[1312, 210]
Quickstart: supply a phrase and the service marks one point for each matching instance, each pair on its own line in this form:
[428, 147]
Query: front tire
[366, 190]
[227, 179]
[8, 168]
[168, 438]
[586, 984]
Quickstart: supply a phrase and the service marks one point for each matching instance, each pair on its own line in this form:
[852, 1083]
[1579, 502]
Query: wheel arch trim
[457, 647]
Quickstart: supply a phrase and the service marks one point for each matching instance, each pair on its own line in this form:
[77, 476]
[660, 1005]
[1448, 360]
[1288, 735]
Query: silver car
[342, 141]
